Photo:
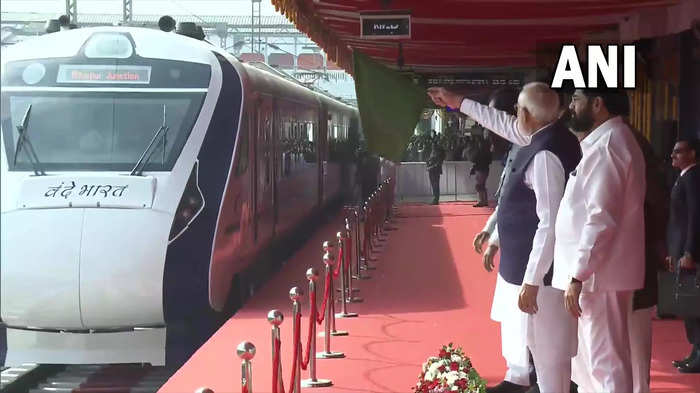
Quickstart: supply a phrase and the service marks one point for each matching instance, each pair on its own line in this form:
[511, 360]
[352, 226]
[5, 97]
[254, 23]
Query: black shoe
[507, 387]
[684, 362]
[435, 202]
[692, 367]
[534, 389]
[573, 388]
[482, 204]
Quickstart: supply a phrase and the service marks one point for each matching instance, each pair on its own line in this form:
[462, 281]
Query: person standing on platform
[480, 170]
[434, 167]
[684, 234]
[639, 322]
[528, 209]
[520, 371]
[599, 252]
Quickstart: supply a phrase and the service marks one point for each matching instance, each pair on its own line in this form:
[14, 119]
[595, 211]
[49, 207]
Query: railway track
[92, 378]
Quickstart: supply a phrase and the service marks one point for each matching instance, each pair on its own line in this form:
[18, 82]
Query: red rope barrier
[340, 262]
[312, 320]
[295, 359]
[276, 368]
[326, 295]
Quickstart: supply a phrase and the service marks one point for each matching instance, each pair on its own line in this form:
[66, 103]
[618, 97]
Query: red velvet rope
[312, 320]
[340, 262]
[276, 368]
[326, 295]
[295, 358]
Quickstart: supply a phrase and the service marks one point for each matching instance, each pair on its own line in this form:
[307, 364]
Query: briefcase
[679, 293]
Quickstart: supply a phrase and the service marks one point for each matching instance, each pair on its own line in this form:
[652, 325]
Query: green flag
[390, 106]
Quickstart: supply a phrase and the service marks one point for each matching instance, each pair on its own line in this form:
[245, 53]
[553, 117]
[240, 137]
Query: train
[143, 172]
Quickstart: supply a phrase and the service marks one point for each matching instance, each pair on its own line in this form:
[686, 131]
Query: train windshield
[97, 130]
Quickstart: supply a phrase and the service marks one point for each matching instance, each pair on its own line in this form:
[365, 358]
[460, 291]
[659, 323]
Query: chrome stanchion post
[329, 318]
[366, 245]
[347, 265]
[330, 304]
[313, 382]
[295, 294]
[246, 351]
[275, 318]
[343, 288]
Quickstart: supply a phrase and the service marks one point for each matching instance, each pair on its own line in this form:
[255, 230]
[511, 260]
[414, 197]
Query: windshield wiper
[23, 131]
[148, 153]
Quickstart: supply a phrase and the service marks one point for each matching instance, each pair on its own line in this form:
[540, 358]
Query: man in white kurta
[599, 252]
[548, 331]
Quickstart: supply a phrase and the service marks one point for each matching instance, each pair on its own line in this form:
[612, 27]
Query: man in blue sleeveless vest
[519, 370]
[529, 205]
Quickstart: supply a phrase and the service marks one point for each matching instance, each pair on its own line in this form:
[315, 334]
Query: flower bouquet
[451, 371]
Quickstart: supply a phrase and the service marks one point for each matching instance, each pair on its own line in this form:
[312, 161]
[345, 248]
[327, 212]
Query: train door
[252, 131]
[275, 161]
[265, 170]
[320, 151]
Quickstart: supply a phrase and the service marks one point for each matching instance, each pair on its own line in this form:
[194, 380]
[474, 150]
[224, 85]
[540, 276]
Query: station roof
[454, 35]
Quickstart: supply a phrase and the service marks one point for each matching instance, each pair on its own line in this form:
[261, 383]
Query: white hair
[541, 101]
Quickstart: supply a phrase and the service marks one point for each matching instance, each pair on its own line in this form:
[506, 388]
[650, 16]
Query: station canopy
[449, 35]
[474, 46]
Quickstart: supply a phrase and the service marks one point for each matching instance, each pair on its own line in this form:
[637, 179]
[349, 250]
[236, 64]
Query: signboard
[476, 80]
[86, 191]
[385, 26]
[103, 74]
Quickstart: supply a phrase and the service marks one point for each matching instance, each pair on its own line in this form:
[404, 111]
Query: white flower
[434, 368]
[454, 388]
[429, 376]
[456, 358]
[452, 377]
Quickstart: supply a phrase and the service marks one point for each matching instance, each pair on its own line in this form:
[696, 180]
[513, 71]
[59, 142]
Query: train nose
[75, 262]
[74, 269]
[121, 267]
[41, 268]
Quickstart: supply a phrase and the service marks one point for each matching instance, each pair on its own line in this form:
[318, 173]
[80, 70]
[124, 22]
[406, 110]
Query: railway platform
[429, 289]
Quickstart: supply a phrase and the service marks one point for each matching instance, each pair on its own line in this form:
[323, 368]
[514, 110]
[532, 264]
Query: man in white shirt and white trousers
[599, 252]
[538, 181]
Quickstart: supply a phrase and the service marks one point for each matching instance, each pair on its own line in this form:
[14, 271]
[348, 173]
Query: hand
[488, 257]
[479, 240]
[444, 97]
[687, 262]
[571, 297]
[668, 263]
[527, 301]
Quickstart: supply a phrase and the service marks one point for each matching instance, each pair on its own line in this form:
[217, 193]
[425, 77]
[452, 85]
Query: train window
[98, 131]
[310, 131]
[309, 146]
[241, 163]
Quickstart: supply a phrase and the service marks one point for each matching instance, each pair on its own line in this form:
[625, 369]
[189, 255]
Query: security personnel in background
[434, 166]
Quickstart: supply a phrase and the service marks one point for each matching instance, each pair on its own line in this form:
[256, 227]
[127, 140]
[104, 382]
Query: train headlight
[109, 46]
[191, 204]
[34, 73]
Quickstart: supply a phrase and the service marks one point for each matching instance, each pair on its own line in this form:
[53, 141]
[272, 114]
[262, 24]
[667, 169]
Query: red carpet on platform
[429, 288]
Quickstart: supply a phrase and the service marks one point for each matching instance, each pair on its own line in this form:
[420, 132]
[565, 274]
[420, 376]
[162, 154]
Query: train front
[101, 129]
